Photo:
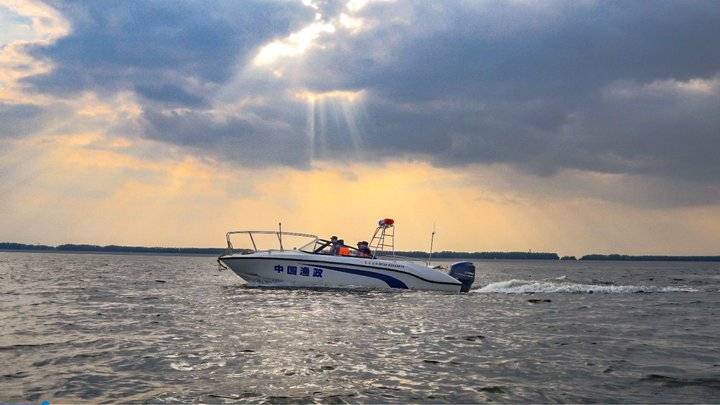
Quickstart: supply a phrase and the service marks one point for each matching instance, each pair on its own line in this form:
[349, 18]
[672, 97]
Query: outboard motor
[463, 272]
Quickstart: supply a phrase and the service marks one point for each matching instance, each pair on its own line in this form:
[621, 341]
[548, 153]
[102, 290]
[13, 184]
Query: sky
[566, 126]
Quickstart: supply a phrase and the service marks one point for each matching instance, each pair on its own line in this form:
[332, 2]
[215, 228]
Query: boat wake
[526, 286]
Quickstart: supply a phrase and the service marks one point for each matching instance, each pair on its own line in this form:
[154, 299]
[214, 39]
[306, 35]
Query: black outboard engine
[463, 272]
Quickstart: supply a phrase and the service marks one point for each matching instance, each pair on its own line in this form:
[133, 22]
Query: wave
[185, 366]
[526, 286]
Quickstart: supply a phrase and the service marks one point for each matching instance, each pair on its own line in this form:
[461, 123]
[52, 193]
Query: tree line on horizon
[109, 248]
[446, 254]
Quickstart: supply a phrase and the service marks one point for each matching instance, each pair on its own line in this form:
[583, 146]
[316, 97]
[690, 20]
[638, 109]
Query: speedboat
[322, 263]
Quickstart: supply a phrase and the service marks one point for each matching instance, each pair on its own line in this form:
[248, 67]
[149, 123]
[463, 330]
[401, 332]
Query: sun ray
[311, 128]
[349, 113]
[322, 117]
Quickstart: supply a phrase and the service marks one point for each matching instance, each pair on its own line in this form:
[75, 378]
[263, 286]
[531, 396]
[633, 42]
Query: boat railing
[394, 257]
[279, 234]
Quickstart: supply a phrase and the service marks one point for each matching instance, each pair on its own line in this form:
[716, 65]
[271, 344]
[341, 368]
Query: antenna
[280, 235]
[432, 239]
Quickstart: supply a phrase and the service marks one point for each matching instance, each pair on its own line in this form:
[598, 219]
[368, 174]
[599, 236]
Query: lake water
[111, 328]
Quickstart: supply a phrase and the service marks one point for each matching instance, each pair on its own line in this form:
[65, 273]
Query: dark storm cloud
[167, 51]
[526, 84]
[543, 86]
[516, 51]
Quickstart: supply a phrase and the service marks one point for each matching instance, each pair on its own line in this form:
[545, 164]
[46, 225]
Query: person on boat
[363, 249]
[335, 245]
[343, 250]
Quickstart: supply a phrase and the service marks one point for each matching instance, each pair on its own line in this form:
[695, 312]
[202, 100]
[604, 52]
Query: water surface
[109, 328]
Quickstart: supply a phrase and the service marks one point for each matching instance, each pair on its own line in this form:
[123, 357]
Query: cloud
[19, 119]
[527, 84]
[517, 49]
[168, 52]
[638, 191]
[15, 27]
[244, 139]
[626, 88]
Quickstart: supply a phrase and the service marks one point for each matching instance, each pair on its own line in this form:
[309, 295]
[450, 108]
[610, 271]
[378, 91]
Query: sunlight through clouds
[344, 108]
[294, 45]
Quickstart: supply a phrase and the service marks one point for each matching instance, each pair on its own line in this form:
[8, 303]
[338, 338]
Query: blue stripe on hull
[316, 262]
[389, 280]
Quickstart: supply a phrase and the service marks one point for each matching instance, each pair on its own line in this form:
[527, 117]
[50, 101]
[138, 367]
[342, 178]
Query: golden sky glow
[85, 188]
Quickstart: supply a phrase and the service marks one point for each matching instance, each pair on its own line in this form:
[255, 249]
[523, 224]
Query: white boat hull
[297, 269]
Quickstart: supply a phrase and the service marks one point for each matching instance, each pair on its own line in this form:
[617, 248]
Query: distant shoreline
[651, 258]
[115, 249]
[89, 252]
[85, 248]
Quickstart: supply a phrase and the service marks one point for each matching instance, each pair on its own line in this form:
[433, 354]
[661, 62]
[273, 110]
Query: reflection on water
[174, 329]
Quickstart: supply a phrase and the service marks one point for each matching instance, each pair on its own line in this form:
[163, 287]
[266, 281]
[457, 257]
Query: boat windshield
[324, 247]
[256, 241]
